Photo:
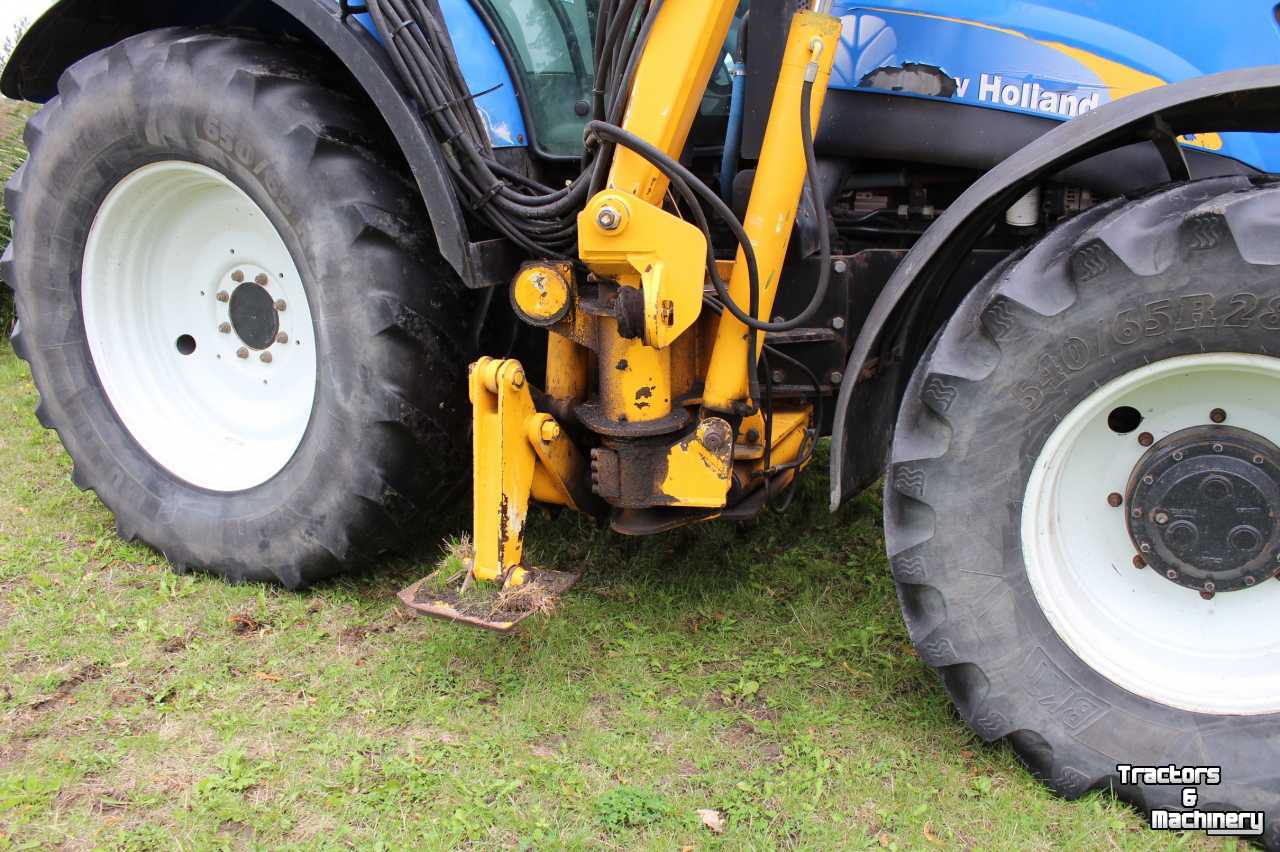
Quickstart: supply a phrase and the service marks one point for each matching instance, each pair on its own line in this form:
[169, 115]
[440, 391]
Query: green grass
[762, 673]
[13, 117]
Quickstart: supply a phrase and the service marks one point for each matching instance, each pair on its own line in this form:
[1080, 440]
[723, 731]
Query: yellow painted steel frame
[685, 43]
[775, 196]
[625, 235]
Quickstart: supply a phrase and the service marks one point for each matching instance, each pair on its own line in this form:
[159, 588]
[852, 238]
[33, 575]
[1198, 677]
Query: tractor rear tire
[233, 309]
[1033, 494]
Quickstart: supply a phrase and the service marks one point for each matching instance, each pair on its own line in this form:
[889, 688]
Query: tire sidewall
[971, 572]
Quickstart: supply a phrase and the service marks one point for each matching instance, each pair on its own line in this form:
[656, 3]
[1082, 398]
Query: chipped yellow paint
[541, 292]
[700, 467]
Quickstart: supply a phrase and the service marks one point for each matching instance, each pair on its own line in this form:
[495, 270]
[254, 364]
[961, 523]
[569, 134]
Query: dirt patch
[93, 671]
[245, 625]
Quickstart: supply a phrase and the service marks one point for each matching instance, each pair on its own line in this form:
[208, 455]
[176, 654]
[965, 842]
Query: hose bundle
[539, 218]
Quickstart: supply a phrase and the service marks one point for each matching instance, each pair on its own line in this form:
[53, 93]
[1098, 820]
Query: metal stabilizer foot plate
[499, 610]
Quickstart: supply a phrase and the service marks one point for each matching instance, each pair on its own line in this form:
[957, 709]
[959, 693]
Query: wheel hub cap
[253, 315]
[1203, 505]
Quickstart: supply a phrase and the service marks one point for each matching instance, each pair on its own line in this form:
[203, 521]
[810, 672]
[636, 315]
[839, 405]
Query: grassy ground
[763, 674]
[13, 116]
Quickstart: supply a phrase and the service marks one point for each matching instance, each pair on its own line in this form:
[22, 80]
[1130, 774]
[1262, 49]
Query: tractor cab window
[549, 44]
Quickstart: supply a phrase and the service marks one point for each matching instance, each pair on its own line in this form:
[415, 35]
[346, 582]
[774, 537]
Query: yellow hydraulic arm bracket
[624, 237]
[775, 196]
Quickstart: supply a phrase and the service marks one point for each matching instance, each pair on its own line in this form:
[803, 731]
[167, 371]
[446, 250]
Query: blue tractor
[1021, 260]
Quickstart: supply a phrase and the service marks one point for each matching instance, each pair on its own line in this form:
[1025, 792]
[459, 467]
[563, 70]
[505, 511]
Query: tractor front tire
[233, 310]
[1082, 499]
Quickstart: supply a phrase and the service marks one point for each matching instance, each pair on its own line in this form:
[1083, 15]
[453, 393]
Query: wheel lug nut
[280, 305]
[1258, 459]
[1114, 499]
[1136, 512]
[1217, 415]
[1144, 547]
[1145, 439]
[265, 357]
[238, 276]
[1139, 562]
[1207, 595]
[1148, 479]
[282, 338]
[1162, 518]
[261, 279]
[1249, 581]
[223, 296]
[1217, 448]
[1177, 455]
[242, 352]
[1171, 574]
[225, 328]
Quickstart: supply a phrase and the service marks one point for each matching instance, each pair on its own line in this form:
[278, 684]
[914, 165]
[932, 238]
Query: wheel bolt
[1162, 518]
[1217, 448]
[280, 305]
[1114, 499]
[1207, 595]
[1258, 459]
[1145, 439]
[223, 296]
[282, 338]
[777, 376]
[1139, 562]
[265, 357]
[1144, 547]
[1217, 415]
[1136, 512]
[1249, 581]
[1171, 574]
[225, 328]
[261, 279]
[237, 277]
[1148, 479]
[1177, 455]
[242, 352]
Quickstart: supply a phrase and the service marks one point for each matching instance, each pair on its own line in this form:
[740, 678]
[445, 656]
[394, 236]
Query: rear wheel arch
[902, 322]
[74, 29]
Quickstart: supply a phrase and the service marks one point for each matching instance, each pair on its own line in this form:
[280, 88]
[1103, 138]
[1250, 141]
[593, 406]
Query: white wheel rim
[1135, 627]
[167, 241]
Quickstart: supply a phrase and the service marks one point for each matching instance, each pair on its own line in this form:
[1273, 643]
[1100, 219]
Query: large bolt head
[242, 352]
[225, 328]
[265, 357]
[238, 276]
[262, 280]
[280, 306]
[608, 219]
[223, 296]
[550, 431]
[282, 337]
